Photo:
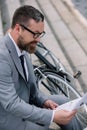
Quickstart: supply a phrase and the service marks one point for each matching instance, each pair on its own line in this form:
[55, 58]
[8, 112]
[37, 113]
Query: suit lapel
[31, 81]
[31, 76]
[29, 67]
[14, 55]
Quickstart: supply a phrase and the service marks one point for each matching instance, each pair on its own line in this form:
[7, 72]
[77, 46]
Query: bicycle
[55, 83]
[55, 79]
[53, 62]
[54, 66]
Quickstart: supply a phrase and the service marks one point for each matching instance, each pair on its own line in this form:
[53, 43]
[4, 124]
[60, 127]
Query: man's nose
[38, 39]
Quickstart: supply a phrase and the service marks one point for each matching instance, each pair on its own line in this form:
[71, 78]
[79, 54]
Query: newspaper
[74, 104]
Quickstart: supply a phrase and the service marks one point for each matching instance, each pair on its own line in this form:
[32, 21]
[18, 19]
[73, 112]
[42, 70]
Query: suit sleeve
[13, 104]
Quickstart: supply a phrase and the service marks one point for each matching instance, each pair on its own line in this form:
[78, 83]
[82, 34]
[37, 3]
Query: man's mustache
[33, 42]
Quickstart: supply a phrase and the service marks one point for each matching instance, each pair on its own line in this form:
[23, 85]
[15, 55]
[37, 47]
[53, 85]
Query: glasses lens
[39, 35]
[42, 34]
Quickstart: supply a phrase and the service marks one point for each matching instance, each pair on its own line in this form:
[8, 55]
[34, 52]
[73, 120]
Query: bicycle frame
[53, 63]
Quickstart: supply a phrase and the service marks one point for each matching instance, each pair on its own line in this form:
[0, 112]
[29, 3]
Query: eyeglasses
[35, 35]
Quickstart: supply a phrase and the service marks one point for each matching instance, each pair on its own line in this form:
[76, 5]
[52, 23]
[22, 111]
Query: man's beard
[29, 47]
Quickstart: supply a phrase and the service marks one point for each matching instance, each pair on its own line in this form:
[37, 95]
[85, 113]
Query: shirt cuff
[53, 116]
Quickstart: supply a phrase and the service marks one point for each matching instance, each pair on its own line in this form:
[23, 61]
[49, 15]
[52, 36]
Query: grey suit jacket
[18, 99]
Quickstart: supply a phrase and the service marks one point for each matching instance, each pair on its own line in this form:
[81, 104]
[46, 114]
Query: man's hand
[49, 104]
[60, 116]
[63, 117]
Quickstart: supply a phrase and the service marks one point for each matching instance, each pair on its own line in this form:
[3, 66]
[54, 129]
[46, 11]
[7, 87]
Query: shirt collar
[17, 49]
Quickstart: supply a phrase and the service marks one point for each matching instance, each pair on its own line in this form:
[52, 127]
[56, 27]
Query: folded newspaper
[74, 104]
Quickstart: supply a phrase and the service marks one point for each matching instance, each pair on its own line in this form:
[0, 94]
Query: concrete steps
[66, 35]
[54, 29]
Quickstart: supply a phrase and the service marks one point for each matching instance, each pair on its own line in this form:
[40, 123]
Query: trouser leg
[74, 124]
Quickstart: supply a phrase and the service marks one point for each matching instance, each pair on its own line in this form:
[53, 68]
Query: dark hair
[23, 14]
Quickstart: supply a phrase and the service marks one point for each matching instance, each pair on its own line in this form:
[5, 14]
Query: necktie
[22, 63]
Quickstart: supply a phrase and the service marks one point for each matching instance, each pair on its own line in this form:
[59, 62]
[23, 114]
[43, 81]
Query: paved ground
[66, 32]
[81, 5]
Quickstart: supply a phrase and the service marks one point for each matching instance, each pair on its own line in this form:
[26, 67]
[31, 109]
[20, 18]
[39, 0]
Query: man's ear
[18, 28]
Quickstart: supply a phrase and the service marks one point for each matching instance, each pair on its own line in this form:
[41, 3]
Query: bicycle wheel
[52, 83]
[55, 84]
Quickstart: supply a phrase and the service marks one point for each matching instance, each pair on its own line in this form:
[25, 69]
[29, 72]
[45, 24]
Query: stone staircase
[66, 33]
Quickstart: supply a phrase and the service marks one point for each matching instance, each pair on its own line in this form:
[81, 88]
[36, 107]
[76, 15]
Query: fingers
[53, 105]
[70, 115]
[50, 104]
